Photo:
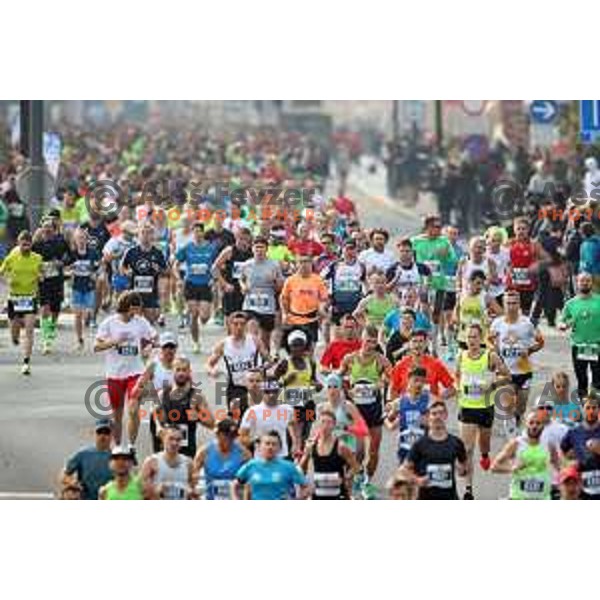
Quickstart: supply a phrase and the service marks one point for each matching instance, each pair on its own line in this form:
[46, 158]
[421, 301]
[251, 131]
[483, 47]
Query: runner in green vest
[529, 462]
[125, 485]
[374, 307]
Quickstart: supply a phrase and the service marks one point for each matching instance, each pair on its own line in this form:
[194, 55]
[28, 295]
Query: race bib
[143, 284]
[532, 485]
[434, 266]
[521, 276]
[184, 430]
[127, 350]
[591, 482]
[22, 304]
[173, 491]
[348, 285]
[297, 395]
[364, 394]
[409, 436]
[511, 352]
[219, 489]
[199, 269]
[439, 476]
[50, 269]
[236, 271]
[587, 352]
[474, 386]
[451, 283]
[82, 268]
[259, 301]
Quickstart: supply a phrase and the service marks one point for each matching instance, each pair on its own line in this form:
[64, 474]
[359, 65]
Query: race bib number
[82, 268]
[348, 285]
[587, 352]
[474, 386]
[185, 431]
[219, 489]
[451, 283]
[173, 491]
[127, 350]
[298, 395]
[409, 436]
[199, 269]
[23, 304]
[259, 301]
[533, 486]
[143, 284]
[364, 394]
[511, 352]
[50, 269]
[521, 276]
[236, 271]
[439, 476]
[591, 482]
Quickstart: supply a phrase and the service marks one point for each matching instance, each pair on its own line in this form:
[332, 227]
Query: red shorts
[119, 388]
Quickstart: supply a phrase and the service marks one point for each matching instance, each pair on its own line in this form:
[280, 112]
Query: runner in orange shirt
[438, 374]
[304, 301]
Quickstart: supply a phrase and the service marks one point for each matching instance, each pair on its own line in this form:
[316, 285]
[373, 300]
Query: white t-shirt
[125, 360]
[379, 260]
[513, 338]
[261, 419]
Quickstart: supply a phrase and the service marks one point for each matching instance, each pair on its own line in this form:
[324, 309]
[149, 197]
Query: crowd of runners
[330, 332]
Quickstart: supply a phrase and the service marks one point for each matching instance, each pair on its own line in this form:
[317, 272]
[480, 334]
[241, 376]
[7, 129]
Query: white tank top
[161, 375]
[239, 359]
[175, 479]
[502, 262]
[407, 277]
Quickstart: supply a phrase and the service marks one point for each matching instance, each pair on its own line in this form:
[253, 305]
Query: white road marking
[26, 496]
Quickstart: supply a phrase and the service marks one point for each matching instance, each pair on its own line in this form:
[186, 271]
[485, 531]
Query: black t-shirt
[436, 460]
[146, 266]
[220, 239]
[56, 253]
[396, 347]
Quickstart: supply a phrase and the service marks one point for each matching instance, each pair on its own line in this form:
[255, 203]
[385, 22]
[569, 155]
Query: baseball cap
[296, 337]
[121, 451]
[103, 424]
[167, 338]
[333, 380]
[569, 472]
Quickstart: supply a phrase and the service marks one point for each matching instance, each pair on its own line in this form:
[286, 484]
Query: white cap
[167, 338]
[297, 336]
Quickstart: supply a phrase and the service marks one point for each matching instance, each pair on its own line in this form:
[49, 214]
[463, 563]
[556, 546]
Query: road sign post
[589, 120]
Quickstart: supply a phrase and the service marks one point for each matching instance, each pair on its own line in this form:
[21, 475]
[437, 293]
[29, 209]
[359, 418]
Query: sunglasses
[103, 432]
[548, 408]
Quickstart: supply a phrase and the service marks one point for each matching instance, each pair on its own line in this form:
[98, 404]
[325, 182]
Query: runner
[582, 443]
[367, 371]
[125, 485]
[269, 477]
[346, 278]
[227, 269]
[198, 257]
[402, 487]
[552, 436]
[85, 269]
[374, 307]
[261, 281]
[22, 269]
[570, 483]
[144, 264]
[124, 336]
[529, 462]
[242, 352]
[304, 302]
[514, 337]
[582, 315]
[408, 413]
[398, 343]
[158, 373]
[433, 459]
[407, 273]
[347, 342]
[377, 257]
[183, 405]
[221, 459]
[112, 254]
[333, 463]
[438, 376]
[51, 245]
[476, 261]
[168, 474]
[90, 467]
[476, 375]
[497, 252]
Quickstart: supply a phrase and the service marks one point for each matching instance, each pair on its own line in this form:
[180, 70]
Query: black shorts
[338, 312]
[521, 381]
[265, 322]
[527, 298]
[449, 301]
[12, 314]
[237, 392]
[438, 303]
[483, 417]
[372, 413]
[232, 302]
[305, 413]
[197, 293]
[52, 294]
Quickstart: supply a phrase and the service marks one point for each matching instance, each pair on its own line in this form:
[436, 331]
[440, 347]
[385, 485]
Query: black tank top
[329, 474]
[238, 257]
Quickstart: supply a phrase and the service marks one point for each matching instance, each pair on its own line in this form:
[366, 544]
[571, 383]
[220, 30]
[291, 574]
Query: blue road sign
[589, 119]
[543, 111]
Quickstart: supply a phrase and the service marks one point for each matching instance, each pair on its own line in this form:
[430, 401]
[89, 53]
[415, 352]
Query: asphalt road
[43, 418]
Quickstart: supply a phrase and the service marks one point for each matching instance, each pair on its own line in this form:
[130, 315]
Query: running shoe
[26, 369]
[370, 491]
[485, 463]
[195, 348]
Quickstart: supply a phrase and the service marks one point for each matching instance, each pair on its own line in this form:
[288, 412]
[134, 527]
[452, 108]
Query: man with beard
[183, 405]
[582, 315]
